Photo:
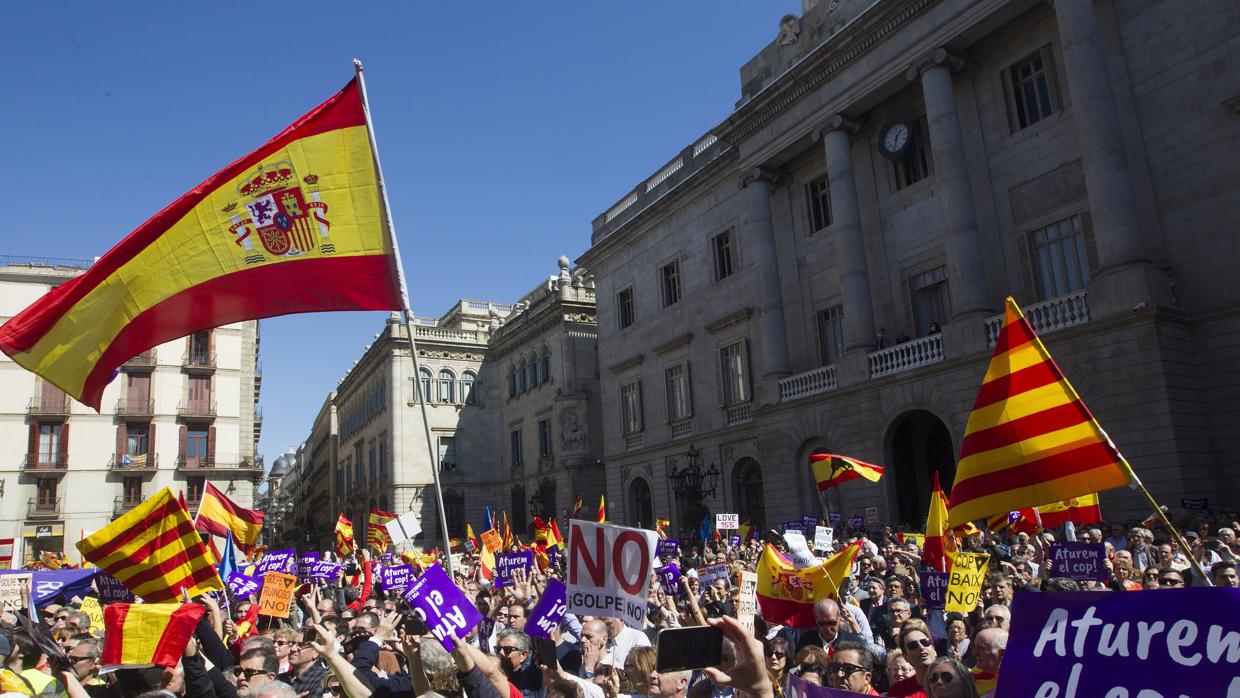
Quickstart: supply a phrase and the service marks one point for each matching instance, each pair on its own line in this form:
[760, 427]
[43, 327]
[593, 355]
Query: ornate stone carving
[572, 432]
[581, 317]
[789, 30]
[457, 355]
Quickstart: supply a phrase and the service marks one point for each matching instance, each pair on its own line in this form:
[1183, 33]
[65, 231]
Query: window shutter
[211, 445]
[719, 377]
[32, 448]
[63, 451]
[1023, 254]
[641, 417]
[121, 441]
[150, 445]
[183, 443]
[1091, 250]
[748, 370]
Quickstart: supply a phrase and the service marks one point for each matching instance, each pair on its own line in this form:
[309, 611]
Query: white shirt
[627, 639]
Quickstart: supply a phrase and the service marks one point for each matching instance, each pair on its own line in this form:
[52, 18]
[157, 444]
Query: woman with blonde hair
[947, 678]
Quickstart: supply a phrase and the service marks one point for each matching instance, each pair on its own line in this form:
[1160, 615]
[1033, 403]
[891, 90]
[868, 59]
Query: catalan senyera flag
[787, 595]
[937, 543]
[602, 509]
[377, 536]
[508, 537]
[295, 226]
[344, 535]
[831, 470]
[154, 550]
[1081, 511]
[1030, 439]
[219, 516]
[141, 635]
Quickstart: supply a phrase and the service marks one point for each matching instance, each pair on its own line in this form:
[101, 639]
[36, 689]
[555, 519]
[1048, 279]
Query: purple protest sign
[669, 547]
[243, 585]
[386, 558]
[835, 519]
[808, 523]
[442, 605]
[1174, 642]
[506, 563]
[111, 590]
[549, 610]
[934, 588]
[1079, 561]
[283, 561]
[801, 688]
[856, 521]
[304, 563]
[325, 570]
[669, 578]
[734, 540]
[395, 578]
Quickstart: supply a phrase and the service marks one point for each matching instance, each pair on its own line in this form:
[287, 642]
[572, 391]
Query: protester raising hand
[520, 586]
[413, 652]
[749, 673]
[352, 684]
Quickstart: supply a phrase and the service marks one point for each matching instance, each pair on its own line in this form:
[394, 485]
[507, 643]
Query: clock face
[895, 139]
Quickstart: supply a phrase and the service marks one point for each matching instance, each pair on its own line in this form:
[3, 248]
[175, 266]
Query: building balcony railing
[739, 414]
[234, 463]
[126, 462]
[43, 507]
[1047, 316]
[196, 408]
[42, 463]
[197, 361]
[681, 429]
[907, 356]
[48, 407]
[121, 505]
[819, 380]
[632, 441]
[135, 407]
[142, 362]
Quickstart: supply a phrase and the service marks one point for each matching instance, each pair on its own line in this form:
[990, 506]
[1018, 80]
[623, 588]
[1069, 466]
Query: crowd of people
[878, 636]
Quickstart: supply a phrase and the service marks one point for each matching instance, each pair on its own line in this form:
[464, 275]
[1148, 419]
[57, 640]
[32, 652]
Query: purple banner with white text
[442, 605]
[549, 610]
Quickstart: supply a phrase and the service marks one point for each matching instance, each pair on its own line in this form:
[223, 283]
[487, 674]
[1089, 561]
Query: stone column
[854, 272]
[756, 224]
[966, 269]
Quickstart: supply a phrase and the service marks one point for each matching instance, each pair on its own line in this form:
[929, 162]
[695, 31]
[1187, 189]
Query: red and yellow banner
[218, 515]
[344, 535]
[1030, 439]
[140, 635]
[938, 541]
[786, 595]
[295, 226]
[1081, 511]
[831, 470]
[377, 537]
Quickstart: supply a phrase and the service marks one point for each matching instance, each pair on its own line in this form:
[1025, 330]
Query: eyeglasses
[1170, 581]
[914, 645]
[507, 650]
[996, 619]
[281, 643]
[844, 668]
[900, 611]
[63, 617]
[247, 674]
[777, 654]
[943, 677]
[77, 659]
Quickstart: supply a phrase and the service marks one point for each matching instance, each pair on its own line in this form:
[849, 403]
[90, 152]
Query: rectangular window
[132, 488]
[670, 274]
[679, 402]
[734, 373]
[447, 454]
[1060, 261]
[544, 438]
[625, 308]
[199, 391]
[137, 439]
[514, 443]
[49, 443]
[819, 198]
[931, 304]
[724, 248]
[915, 165]
[1033, 93]
[47, 493]
[631, 407]
[383, 464]
[359, 463]
[200, 348]
[340, 481]
[194, 485]
[195, 446]
[831, 334]
[372, 461]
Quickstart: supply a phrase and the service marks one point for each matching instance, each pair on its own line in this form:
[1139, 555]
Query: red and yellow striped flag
[1081, 511]
[154, 550]
[377, 537]
[344, 536]
[295, 226]
[831, 470]
[937, 543]
[578, 503]
[1030, 439]
[218, 515]
[602, 509]
[140, 635]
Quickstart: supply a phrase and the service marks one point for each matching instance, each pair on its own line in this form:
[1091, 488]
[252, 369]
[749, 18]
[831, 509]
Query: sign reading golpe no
[609, 571]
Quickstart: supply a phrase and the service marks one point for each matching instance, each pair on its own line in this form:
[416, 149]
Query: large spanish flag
[154, 550]
[295, 226]
[219, 516]
[1030, 439]
[140, 635]
[787, 595]
[831, 470]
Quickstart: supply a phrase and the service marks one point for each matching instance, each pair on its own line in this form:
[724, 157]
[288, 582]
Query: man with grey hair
[78, 622]
[672, 684]
[828, 629]
[998, 616]
[516, 658]
[988, 647]
[84, 657]
[276, 689]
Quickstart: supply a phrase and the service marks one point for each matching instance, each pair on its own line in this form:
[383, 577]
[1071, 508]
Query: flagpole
[390, 229]
[1188, 551]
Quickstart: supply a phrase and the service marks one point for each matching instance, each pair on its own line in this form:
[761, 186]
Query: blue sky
[504, 129]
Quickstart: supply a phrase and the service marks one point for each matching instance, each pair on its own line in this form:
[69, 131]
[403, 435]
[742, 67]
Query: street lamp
[690, 481]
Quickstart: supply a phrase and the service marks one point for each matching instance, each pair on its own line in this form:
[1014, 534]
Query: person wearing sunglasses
[1172, 579]
[918, 646]
[258, 667]
[306, 670]
[852, 669]
[947, 678]
[777, 660]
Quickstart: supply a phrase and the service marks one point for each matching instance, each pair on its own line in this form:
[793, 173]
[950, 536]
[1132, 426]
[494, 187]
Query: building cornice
[677, 343]
[728, 320]
[628, 363]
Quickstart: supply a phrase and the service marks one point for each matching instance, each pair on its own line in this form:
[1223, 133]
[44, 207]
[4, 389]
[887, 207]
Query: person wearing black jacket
[827, 631]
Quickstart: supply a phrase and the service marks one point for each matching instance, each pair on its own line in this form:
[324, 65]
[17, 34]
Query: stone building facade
[898, 168]
[179, 415]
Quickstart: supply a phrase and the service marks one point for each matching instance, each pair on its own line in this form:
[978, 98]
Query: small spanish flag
[602, 509]
[218, 515]
[578, 503]
[344, 535]
[1081, 511]
[660, 526]
[831, 470]
[377, 536]
[937, 544]
[141, 635]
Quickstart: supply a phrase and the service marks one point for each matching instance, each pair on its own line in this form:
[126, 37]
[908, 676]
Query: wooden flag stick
[1175, 532]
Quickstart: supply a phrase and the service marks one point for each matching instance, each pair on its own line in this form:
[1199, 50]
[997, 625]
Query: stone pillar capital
[940, 57]
[766, 175]
[836, 122]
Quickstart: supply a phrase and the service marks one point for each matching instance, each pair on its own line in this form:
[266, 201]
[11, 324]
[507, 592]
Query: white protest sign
[798, 550]
[609, 571]
[747, 602]
[403, 527]
[727, 522]
[11, 587]
[824, 536]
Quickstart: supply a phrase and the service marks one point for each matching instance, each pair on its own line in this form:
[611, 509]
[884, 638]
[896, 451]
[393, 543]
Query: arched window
[454, 510]
[641, 504]
[533, 371]
[447, 386]
[747, 488]
[424, 393]
[546, 364]
[512, 382]
[521, 384]
[467, 387]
